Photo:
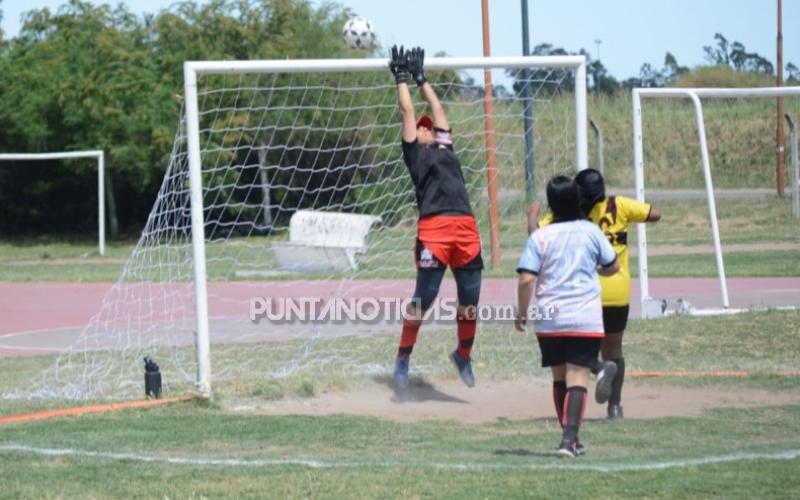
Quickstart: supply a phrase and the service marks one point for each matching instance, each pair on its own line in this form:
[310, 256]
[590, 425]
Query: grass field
[191, 452]
[752, 221]
[227, 447]
[196, 450]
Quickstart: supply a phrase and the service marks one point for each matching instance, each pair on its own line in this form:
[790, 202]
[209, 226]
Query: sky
[630, 32]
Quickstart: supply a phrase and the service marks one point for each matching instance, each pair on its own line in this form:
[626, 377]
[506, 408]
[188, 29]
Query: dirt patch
[515, 400]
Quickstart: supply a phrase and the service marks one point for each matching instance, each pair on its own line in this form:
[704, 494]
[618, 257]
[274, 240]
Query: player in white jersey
[563, 260]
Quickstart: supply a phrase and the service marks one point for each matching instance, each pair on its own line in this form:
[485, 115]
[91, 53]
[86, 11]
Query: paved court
[40, 318]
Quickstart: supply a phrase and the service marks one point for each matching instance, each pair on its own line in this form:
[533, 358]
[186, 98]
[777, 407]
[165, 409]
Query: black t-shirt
[437, 177]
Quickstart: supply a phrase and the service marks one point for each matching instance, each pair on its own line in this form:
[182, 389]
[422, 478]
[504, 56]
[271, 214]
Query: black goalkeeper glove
[416, 60]
[399, 65]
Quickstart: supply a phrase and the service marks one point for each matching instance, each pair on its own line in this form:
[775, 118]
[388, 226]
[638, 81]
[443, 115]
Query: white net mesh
[273, 144]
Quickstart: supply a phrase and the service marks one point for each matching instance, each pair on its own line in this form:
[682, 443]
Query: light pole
[779, 143]
[530, 183]
[597, 42]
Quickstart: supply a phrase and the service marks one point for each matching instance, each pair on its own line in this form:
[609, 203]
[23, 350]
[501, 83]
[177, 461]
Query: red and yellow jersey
[613, 214]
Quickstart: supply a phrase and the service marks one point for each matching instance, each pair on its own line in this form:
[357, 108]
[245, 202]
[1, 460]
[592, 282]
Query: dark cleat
[401, 372]
[614, 412]
[605, 380]
[464, 367]
[567, 449]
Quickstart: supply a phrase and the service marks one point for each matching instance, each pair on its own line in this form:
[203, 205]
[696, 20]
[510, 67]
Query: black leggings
[468, 286]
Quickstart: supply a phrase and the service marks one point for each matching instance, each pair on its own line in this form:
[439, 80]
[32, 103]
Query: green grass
[755, 220]
[360, 457]
[760, 221]
[368, 457]
[763, 343]
[737, 264]
[61, 260]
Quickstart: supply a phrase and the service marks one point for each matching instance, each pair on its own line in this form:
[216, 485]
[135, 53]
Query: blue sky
[632, 31]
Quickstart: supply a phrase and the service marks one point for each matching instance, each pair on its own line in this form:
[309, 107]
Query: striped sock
[574, 409]
[559, 393]
[408, 337]
[466, 336]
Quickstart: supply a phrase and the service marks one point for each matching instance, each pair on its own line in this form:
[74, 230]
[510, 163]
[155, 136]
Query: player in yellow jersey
[613, 214]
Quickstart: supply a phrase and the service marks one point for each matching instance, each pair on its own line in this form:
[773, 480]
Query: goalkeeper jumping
[447, 234]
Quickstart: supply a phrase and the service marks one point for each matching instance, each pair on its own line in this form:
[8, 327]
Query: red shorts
[448, 240]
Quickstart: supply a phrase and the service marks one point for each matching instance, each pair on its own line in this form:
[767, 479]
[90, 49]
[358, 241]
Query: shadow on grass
[418, 391]
[520, 452]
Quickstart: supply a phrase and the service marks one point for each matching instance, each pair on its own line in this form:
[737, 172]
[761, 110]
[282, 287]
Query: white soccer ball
[358, 34]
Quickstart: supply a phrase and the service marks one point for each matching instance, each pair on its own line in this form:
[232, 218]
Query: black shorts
[615, 318]
[579, 351]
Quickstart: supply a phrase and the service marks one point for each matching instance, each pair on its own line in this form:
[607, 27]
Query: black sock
[574, 407]
[559, 393]
[619, 379]
[596, 366]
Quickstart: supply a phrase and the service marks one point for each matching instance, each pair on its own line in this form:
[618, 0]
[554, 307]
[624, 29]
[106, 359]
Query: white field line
[333, 464]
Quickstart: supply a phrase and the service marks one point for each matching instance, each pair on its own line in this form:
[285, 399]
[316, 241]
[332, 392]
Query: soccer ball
[357, 33]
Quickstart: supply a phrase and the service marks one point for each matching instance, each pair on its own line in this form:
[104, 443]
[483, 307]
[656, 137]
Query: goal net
[286, 185]
[708, 157]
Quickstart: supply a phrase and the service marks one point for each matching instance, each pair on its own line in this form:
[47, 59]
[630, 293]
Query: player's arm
[437, 111]
[654, 215]
[533, 217]
[530, 262]
[607, 263]
[398, 64]
[407, 113]
[608, 270]
[524, 294]
[636, 211]
[416, 64]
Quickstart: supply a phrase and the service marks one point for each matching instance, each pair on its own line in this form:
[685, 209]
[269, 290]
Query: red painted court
[39, 318]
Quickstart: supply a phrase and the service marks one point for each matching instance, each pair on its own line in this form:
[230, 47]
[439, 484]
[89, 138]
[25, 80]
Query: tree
[718, 56]
[545, 81]
[672, 69]
[602, 81]
[100, 77]
[736, 56]
[792, 74]
[1, 23]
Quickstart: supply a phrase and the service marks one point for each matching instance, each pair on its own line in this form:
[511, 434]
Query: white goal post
[64, 155]
[193, 69]
[695, 95]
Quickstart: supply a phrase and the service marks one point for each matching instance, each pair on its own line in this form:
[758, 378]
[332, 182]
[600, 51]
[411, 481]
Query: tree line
[101, 77]
[726, 62]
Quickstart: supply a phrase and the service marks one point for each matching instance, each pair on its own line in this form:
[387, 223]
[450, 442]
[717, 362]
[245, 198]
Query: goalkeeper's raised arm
[399, 67]
[416, 60]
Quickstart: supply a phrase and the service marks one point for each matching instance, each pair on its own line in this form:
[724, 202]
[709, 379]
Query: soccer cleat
[580, 450]
[464, 367]
[614, 412]
[605, 380]
[568, 449]
[401, 372]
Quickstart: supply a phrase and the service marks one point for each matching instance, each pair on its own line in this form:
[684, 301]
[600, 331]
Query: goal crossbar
[695, 95]
[65, 155]
[193, 69]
